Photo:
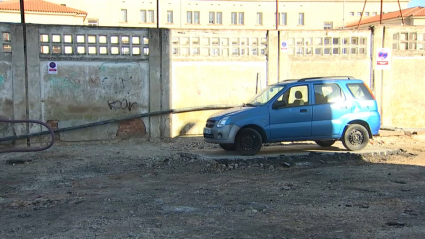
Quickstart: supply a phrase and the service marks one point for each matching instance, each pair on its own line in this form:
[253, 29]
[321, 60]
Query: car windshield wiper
[249, 104]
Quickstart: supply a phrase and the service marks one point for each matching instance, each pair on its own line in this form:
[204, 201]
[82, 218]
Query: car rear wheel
[355, 137]
[228, 147]
[325, 143]
[248, 142]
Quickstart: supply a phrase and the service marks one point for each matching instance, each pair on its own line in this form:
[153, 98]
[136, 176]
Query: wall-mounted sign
[52, 68]
[383, 59]
[284, 46]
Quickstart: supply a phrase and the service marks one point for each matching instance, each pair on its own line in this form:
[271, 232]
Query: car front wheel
[248, 142]
[355, 137]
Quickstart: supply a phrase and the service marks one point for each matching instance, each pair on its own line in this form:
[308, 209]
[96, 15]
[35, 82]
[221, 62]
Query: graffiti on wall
[65, 82]
[120, 104]
[117, 85]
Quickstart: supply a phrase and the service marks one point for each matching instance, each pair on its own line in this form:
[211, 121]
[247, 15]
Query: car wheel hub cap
[356, 137]
[248, 142]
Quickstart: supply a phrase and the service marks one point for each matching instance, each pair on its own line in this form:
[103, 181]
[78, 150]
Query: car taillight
[369, 91]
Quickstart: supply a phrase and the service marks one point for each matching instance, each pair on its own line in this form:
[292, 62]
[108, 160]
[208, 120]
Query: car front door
[291, 114]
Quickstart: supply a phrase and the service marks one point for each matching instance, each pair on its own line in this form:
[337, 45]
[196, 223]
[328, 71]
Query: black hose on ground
[30, 149]
[130, 117]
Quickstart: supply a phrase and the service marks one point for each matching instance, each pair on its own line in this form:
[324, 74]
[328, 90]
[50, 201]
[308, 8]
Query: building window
[328, 25]
[123, 15]
[169, 16]
[6, 36]
[196, 19]
[93, 22]
[151, 16]
[259, 18]
[189, 18]
[142, 15]
[211, 18]
[241, 18]
[234, 21]
[351, 13]
[301, 18]
[219, 18]
[283, 18]
[359, 14]
[374, 13]
[215, 18]
[366, 13]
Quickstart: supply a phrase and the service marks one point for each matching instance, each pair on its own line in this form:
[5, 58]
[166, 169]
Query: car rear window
[359, 91]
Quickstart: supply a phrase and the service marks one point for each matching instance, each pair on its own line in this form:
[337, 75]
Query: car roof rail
[327, 78]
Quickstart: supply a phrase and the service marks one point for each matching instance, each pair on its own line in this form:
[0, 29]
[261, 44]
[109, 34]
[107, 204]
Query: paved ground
[286, 149]
[189, 189]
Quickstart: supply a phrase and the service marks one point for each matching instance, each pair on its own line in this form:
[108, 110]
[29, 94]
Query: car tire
[355, 137]
[248, 142]
[325, 143]
[228, 147]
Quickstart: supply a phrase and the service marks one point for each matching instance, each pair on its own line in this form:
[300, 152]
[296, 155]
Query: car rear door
[330, 110]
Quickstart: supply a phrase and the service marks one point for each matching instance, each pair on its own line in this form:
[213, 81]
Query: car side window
[295, 96]
[328, 93]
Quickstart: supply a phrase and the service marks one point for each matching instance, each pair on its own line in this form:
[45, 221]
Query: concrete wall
[214, 68]
[324, 53]
[6, 84]
[101, 74]
[399, 90]
[85, 91]
[106, 73]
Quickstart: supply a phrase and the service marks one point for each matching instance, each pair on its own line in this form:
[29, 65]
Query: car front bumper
[223, 135]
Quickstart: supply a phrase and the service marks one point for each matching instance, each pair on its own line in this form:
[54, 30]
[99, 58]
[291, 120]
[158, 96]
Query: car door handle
[303, 110]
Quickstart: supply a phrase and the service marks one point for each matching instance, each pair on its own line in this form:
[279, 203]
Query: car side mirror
[279, 104]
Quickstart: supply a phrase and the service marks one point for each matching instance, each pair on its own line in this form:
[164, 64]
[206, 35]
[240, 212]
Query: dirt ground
[141, 189]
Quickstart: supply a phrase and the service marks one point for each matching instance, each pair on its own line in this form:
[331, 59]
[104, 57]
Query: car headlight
[222, 122]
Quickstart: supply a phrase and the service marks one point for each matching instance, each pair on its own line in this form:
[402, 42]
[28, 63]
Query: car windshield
[264, 96]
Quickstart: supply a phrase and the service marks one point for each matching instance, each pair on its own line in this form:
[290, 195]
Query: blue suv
[322, 109]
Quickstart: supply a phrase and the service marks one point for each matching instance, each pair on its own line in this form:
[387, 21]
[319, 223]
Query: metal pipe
[277, 14]
[380, 16]
[162, 112]
[343, 15]
[50, 131]
[361, 16]
[401, 13]
[24, 34]
[157, 13]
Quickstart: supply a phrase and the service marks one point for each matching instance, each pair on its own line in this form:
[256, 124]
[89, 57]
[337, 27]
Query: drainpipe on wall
[157, 13]
[372, 75]
[24, 33]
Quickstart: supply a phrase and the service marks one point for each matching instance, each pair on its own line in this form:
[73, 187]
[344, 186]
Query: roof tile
[415, 12]
[39, 6]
